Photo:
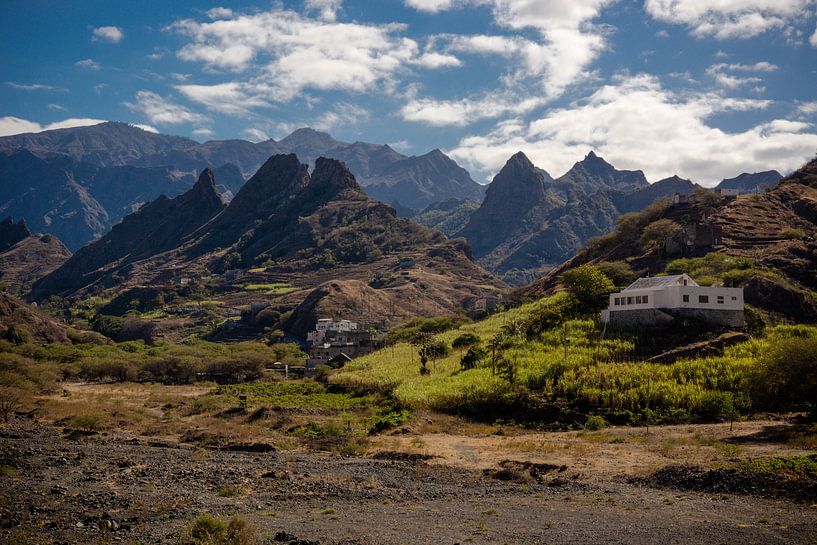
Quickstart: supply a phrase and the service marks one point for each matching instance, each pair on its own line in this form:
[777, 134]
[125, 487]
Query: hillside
[766, 243]
[448, 216]
[30, 259]
[21, 323]
[288, 232]
[156, 227]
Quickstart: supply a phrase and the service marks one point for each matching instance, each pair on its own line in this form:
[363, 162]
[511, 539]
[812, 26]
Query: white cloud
[807, 108]
[636, 123]
[255, 135]
[88, 64]
[33, 86]
[327, 9]
[431, 6]
[14, 125]
[163, 111]
[438, 60]
[112, 34]
[204, 132]
[228, 98]
[344, 114]
[219, 13]
[284, 53]
[464, 111]
[813, 39]
[148, 128]
[720, 72]
[723, 19]
[56, 108]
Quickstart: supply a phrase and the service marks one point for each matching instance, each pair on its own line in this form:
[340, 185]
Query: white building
[661, 299]
[324, 325]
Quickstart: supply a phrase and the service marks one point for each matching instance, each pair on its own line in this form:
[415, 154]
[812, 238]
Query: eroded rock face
[11, 233]
[156, 227]
[769, 295]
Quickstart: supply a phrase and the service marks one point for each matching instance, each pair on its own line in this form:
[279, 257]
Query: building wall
[673, 297]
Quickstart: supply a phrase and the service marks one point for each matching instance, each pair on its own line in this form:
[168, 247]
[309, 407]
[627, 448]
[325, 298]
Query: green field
[275, 288]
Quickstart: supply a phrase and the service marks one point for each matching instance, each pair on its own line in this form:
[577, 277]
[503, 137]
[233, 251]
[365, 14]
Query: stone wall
[648, 317]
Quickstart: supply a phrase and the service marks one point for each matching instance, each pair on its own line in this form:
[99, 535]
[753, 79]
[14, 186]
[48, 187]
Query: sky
[705, 89]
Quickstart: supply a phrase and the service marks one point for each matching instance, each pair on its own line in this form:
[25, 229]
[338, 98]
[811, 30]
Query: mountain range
[79, 182]
[318, 232]
[530, 222]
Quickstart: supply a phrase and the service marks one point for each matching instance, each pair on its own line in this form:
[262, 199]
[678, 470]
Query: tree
[588, 288]
[786, 375]
[496, 344]
[472, 358]
[10, 401]
[464, 341]
[656, 234]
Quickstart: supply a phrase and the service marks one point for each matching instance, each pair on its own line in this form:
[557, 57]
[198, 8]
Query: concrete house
[662, 299]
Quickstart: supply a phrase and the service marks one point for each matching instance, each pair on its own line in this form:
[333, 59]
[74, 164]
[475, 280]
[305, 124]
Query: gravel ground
[117, 489]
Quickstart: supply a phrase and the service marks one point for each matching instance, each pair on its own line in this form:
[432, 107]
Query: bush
[793, 233]
[656, 233]
[391, 419]
[473, 357]
[786, 375]
[173, 369]
[110, 326]
[716, 405]
[589, 289]
[465, 340]
[210, 530]
[595, 423]
[620, 272]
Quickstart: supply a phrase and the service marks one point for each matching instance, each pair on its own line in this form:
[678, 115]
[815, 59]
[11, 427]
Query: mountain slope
[30, 259]
[156, 227]
[774, 233]
[752, 183]
[448, 216]
[419, 181]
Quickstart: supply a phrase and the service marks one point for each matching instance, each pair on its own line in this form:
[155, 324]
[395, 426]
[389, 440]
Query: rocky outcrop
[11, 233]
[156, 227]
[21, 323]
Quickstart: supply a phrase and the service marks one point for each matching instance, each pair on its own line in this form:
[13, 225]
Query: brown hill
[20, 322]
[30, 259]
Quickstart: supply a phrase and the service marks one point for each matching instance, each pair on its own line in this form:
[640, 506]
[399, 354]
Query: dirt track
[117, 489]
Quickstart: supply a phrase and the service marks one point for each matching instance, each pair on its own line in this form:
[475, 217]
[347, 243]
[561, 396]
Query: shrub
[716, 405]
[11, 400]
[786, 375]
[110, 326]
[655, 234]
[465, 340]
[589, 289]
[793, 233]
[391, 419]
[172, 369]
[210, 530]
[620, 272]
[473, 357]
[595, 423]
[88, 422]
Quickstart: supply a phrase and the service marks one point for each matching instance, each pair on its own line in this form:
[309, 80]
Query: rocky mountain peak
[595, 171]
[332, 175]
[11, 233]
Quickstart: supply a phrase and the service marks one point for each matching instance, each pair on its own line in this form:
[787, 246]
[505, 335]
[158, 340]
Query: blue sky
[699, 88]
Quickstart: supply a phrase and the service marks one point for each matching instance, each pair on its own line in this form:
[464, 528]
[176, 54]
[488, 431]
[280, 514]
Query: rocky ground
[116, 488]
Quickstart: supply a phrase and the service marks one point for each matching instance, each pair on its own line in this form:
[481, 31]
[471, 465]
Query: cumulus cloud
[163, 111]
[282, 53]
[344, 114]
[327, 9]
[727, 19]
[813, 39]
[14, 125]
[148, 128]
[112, 34]
[637, 123]
[807, 108]
[204, 132]
[564, 45]
[229, 98]
[219, 13]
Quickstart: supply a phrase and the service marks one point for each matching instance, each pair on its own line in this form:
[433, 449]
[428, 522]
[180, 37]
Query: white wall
[673, 297]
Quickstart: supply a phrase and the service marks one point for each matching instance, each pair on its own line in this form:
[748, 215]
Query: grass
[793, 466]
[299, 395]
[275, 288]
[598, 375]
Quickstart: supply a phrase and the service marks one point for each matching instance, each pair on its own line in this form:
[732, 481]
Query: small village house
[663, 299]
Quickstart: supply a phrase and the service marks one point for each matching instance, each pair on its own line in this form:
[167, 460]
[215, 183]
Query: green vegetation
[210, 530]
[276, 288]
[566, 365]
[793, 466]
[793, 233]
[301, 395]
[595, 423]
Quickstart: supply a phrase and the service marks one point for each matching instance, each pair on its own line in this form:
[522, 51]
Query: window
[629, 300]
[617, 301]
[637, 299]
[720, 299]
[686, 298]
[703, 298]
[734, 298]
[645, 299]
[685, 281]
